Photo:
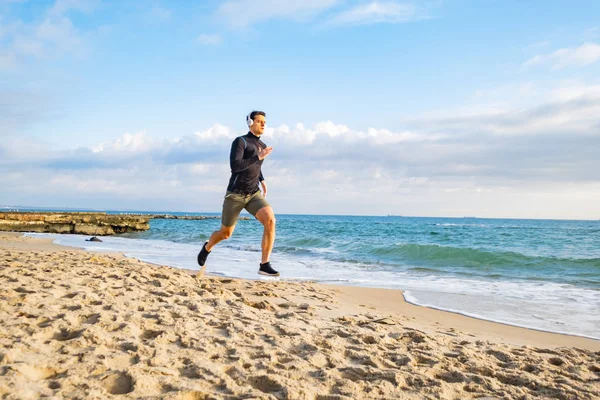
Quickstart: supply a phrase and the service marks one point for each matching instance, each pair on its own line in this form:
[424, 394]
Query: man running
[246, 157]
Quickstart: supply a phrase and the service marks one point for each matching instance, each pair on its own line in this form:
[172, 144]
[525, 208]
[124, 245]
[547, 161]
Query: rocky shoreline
[188, 217]
[84, 223]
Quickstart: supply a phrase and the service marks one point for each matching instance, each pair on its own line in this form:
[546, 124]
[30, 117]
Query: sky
[425, 108]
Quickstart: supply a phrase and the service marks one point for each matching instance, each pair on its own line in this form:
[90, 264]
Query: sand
[76, 324]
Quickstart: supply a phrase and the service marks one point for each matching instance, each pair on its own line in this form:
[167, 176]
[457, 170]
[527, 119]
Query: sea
[538, 274]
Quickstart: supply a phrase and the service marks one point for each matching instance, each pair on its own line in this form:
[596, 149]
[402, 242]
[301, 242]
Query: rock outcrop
[192, 217]
[83, 223]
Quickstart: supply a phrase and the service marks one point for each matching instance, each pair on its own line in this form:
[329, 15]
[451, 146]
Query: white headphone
[249, 120]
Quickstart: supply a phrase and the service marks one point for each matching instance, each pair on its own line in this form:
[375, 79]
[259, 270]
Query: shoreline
[77, 323]
[506, 323]
[393, 301]
[547, 304]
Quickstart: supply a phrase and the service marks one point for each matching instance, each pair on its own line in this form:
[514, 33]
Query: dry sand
[75, 324]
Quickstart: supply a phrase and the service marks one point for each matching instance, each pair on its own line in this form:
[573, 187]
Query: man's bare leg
[217, 236]
[266, 216]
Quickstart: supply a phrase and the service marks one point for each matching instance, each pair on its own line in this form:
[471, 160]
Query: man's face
[258, 127]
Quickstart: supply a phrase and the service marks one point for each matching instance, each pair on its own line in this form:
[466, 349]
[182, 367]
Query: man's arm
[236, 157]
[263, 183]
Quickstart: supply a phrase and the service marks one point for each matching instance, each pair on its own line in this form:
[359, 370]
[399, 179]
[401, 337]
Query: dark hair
[253, 114]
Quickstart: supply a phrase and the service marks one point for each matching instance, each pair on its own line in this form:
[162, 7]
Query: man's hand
[264, 152]
[264, 188]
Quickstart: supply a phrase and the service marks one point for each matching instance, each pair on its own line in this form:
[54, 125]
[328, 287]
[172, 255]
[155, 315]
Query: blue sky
[441, 108]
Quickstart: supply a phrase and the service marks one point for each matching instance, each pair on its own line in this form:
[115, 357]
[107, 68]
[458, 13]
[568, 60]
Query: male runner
[246, 158]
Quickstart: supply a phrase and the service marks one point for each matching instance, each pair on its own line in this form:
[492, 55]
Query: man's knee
[266, 216]
[227, 231]
[269, 220]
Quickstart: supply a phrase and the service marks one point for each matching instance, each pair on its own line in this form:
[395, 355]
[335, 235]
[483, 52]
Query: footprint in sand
[556, 361]
[532, 369]
[265, 384]
[500, 355]
[54, 385]
[451, 376]
[23, 290]
[118, 383]
[67, 334]
[91, 318]
[150, 334]
[128, 346]
[191, 372]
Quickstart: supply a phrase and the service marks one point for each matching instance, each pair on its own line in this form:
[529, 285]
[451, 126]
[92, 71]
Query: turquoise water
[542, 274]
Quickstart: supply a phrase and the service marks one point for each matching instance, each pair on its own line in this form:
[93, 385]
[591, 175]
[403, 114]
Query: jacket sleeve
[236, 157]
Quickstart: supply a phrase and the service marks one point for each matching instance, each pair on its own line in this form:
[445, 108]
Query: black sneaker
[266, 269]
[203, 255]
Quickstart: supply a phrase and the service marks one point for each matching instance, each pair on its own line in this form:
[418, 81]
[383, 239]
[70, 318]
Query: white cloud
[475, 165]
[60, 33]
[53, 34]
[509, 95]
[215, 133]
[200, 169]
[583, 55]
[572, 90]
[377, 12]
[209, 39]
[240, 14]
[328, 131]
[128, 142]
[577, 116]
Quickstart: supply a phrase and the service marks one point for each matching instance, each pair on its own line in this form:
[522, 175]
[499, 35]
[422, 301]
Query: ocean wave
[306, 242]
[433, 254]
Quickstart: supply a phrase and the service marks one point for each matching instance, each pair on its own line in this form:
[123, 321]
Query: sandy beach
[77, 324]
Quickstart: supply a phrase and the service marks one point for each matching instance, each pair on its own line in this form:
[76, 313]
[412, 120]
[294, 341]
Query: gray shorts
[235, 202]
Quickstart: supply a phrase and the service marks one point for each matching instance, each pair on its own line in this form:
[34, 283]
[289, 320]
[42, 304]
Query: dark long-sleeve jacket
[245, 166]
